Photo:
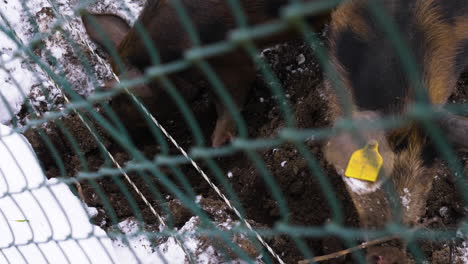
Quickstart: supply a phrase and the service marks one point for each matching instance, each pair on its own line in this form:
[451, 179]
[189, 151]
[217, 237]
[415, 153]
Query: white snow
[92, 211]
[15, 78]
[300, 59]
[167, 252]
[18, 75]
[41, 221]
[444, 211]
[462, 253]
[406, 198]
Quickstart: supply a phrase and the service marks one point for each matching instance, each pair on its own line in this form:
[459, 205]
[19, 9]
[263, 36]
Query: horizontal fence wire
[227, 203]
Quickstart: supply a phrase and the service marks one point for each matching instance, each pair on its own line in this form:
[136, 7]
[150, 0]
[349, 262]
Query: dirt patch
[300, 76]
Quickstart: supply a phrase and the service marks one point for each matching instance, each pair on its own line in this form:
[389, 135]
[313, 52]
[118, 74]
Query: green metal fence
[81, 142]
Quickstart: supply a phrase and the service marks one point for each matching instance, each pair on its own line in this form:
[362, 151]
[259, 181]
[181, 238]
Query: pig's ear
[106, 30]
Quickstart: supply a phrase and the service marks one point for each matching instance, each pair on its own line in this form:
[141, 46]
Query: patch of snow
[92, 211]
[128, 9]
[300, 59]
[57, 52]
[270, 49]
[140, 249]
[406, 198]
[15, 78]
[283, 163]
[18, 74]
[444, 211]
[169, 251]
[230, 175]
[135, 249]
[462, 253]
[41, 220]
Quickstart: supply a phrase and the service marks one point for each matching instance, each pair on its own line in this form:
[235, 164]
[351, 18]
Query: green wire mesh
[79, 141]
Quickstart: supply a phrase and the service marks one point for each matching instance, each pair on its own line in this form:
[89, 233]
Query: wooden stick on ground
[361, 246]
[347, 251]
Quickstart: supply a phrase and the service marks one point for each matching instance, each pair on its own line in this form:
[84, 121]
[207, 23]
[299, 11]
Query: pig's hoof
[220, 138]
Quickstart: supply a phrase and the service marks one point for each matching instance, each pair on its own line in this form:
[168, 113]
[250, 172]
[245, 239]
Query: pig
[372, 74]
[213, 20]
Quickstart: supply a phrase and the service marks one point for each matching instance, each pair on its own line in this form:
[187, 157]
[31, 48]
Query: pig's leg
[237, 78]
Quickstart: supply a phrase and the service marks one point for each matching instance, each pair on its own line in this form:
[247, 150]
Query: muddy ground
[300, 76]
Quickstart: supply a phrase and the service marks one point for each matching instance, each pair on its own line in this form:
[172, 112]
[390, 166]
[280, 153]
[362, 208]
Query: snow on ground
[41, 221]
[461, 251]
[170, 251]
[18, 75]
[15, 78]
[461, 255]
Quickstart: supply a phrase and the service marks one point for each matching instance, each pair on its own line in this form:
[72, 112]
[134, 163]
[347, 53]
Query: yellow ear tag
[365, 163]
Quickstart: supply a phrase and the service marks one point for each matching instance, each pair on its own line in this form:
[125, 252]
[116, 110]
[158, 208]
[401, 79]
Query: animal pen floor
[300, 76]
